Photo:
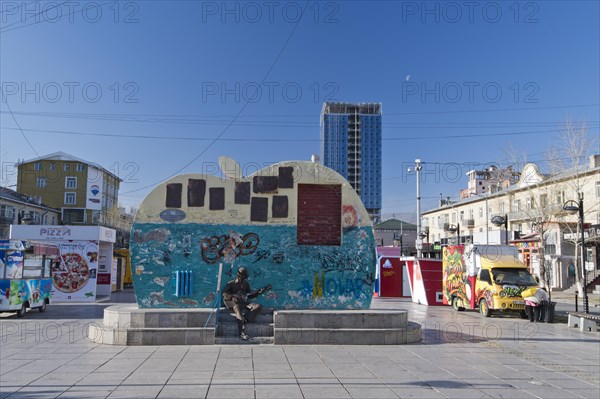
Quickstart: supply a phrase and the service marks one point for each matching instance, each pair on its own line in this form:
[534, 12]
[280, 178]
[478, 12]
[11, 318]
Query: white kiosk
[84, 268]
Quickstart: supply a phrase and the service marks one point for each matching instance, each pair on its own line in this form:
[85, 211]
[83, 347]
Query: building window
[480, 211]
[462, 216]
[543, 200]
[66, 167]
[95, 217]
[42, 182]
[598, 189]
[52, 166]
[471, 214]
[72, 216]
[37, 166]
[528, 203]
[70, 182]
[560, 197]
[502, 207]
[70, 198]
[80, 167]
[516, 205]
[36, 217]
[550, 249]
[7, 212]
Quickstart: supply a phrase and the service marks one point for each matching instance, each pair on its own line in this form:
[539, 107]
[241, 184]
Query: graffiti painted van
[489, 278]
[25, 276]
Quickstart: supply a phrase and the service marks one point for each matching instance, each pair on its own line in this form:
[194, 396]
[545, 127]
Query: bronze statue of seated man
[237, 295]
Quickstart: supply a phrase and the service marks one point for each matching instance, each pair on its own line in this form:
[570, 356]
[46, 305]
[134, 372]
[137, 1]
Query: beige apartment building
[85, 193]
[528, 212]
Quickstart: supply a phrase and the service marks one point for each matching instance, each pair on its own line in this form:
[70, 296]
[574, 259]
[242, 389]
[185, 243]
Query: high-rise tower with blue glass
[351, 145]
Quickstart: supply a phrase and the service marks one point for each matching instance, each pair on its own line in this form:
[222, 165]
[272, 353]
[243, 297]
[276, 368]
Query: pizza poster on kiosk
[74, 273]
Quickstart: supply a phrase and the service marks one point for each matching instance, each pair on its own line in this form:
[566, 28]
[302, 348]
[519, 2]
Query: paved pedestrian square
[462, 356]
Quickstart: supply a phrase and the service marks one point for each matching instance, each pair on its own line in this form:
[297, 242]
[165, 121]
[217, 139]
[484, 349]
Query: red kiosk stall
[408, 277]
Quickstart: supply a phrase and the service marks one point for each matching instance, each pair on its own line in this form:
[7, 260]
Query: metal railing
[591, 276]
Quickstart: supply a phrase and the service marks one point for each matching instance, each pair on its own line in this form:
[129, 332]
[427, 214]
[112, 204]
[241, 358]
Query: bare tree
[546, 194]
[575, 148]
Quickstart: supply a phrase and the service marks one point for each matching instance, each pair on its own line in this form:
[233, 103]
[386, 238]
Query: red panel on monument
[390, 277]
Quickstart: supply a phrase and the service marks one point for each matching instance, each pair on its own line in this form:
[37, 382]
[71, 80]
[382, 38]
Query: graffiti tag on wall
[325, 286]
[229, 247]
[340, 261]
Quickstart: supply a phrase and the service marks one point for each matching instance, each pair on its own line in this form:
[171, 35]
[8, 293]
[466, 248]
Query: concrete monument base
[349, 327]
[129, 325]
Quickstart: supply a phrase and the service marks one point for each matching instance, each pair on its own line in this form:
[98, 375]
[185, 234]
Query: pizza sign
[74, 271]
[70, 273]
[50, 232]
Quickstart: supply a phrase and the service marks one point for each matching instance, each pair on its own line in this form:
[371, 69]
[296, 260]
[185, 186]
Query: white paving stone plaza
[462, 355]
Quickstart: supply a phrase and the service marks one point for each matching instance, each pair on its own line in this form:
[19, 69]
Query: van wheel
[484, 309]
[456, 306]
[21, 312]
[42, 308]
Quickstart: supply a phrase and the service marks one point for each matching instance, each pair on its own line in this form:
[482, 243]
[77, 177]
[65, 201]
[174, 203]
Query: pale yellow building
[532, 205]
[85, 193]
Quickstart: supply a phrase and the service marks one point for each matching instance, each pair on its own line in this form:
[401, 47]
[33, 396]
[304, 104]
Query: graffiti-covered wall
[297, 226]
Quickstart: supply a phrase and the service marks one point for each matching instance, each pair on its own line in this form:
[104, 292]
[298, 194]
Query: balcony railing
[528, 214]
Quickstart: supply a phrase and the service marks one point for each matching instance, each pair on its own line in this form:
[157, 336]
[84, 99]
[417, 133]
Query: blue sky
[187, 72]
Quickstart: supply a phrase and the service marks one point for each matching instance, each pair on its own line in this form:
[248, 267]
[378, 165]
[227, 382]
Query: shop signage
[590, 233]
[57, 232]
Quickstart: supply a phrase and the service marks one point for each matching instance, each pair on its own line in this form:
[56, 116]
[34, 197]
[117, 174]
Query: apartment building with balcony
[351, 145]
[532, 208]
[489, 180]
[85, 193]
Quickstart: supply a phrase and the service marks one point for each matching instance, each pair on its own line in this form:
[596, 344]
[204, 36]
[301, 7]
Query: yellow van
[485, 277]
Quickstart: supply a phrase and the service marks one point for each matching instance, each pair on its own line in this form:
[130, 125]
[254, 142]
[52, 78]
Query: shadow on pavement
[70, 311]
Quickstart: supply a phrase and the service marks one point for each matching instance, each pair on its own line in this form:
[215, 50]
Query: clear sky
[150, 89]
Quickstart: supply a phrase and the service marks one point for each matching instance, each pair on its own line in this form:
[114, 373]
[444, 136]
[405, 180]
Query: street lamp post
[499, 221]
[572, 208]
[419, 242]
[398, 241]
[455, 228]
[424, 234]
